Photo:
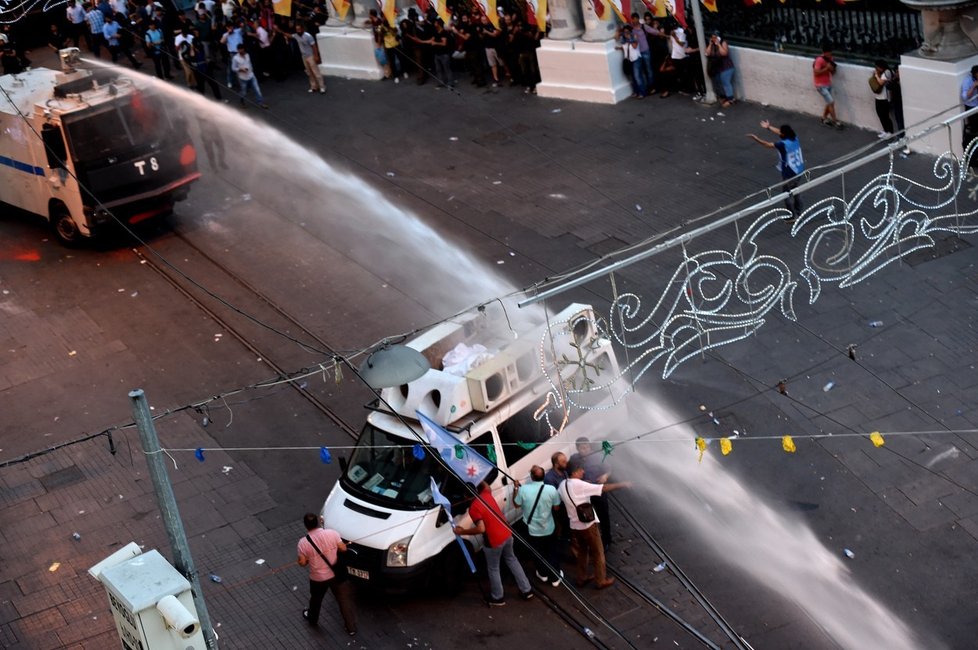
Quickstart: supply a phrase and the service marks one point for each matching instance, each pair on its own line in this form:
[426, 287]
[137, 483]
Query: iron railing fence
[861, 30]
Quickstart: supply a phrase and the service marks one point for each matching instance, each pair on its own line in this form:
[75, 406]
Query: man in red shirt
[318, 550]
[488, 518]
[822, 71]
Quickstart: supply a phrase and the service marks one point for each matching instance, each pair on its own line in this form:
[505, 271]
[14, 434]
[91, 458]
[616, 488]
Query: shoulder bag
[585, 511]
[522, 527]
[340, 574]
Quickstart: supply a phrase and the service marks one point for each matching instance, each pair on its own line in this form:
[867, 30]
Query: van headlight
[397, 552]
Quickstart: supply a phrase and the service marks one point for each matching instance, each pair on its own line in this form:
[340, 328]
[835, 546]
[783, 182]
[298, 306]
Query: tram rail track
[173, 279]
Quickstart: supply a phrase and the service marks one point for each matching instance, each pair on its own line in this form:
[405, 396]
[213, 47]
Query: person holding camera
[720, 68]
[969, 95]
[586, 544]
[822, 71]
[319, 550]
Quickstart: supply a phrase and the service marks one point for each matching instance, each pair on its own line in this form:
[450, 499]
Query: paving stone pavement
[569, 184]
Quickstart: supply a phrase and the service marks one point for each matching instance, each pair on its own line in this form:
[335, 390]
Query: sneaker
[826, 121]
[496, 602]
[311, 91]
[405, 75]
[541, 577]
[526, 595]
[322, 91]
[264, 105]
[305, 615]
[883, 135]
[397, 80]
[839, 125]
[495, 84]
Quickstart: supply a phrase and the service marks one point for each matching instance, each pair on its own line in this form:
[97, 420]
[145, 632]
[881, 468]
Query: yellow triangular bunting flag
[877, 439]
[788, 444]
[725, 446]
[701, 445]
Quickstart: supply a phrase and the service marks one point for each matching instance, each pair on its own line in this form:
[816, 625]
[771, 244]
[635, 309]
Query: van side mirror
[344, 464]
[54, 146]
[442, 518]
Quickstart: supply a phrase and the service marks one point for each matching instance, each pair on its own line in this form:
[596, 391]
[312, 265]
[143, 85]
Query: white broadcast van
[382, 503]
[79, 146]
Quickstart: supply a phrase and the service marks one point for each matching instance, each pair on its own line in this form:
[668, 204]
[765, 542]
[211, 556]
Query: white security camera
[178, 617]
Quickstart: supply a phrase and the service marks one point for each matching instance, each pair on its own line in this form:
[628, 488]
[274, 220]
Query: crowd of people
[659, 56]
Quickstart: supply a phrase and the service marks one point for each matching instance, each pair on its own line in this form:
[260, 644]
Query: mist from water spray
[356, 219]
[776, 549]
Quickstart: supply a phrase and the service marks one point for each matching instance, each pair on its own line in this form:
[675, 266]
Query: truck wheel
[65, 228]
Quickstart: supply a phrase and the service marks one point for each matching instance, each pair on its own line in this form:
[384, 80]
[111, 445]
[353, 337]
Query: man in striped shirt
[96, 21]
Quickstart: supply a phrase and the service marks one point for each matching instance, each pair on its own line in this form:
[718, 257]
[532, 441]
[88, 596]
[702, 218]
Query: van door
[521, 440]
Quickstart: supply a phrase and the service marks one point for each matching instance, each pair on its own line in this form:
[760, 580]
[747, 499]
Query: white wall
[785, 81]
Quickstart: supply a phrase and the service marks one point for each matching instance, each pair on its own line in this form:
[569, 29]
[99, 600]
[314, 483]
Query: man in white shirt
[241, 66]
[585, 535]
[181, 45]
[76, 22]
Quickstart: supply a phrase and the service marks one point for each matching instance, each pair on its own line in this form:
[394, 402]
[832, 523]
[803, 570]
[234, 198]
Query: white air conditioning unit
[441, 396]
[496, 380]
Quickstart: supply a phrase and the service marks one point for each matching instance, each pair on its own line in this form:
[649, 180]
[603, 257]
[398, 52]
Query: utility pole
[182, 560]
[711, 96]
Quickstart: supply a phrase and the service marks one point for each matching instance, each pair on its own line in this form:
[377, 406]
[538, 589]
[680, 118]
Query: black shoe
[496, 602]
[526, 595]
[305, 615]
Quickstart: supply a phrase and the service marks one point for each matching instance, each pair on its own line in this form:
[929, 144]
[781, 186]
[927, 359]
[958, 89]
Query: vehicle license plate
[359, 573]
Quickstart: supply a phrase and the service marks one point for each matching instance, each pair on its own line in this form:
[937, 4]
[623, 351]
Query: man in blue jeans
[242, 67]
[488, 519]
[642, 33]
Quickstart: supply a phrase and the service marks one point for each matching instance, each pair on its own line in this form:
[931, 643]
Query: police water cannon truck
[503, 407]
[83, 148]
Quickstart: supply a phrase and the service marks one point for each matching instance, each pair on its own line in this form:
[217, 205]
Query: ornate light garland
[709, 302]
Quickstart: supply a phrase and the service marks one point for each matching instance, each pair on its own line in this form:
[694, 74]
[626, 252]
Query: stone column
[566, 19]
[931, 77]
[597, 30]
[334, 19]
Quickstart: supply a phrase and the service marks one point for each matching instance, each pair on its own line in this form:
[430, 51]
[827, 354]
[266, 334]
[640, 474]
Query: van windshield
[384, 468]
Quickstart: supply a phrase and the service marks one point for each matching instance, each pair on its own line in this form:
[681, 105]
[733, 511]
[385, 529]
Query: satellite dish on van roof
[393, 365]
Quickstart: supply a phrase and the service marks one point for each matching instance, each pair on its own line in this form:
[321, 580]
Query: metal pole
[711, 96]
[168, 508]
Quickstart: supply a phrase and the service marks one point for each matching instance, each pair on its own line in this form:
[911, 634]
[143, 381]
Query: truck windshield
[132, 122]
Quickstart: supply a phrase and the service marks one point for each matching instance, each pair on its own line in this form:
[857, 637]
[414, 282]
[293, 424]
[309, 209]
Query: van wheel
[450, 570]
[65, 228]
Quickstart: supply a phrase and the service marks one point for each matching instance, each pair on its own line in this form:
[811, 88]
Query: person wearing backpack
[586, 544]
[879, 83]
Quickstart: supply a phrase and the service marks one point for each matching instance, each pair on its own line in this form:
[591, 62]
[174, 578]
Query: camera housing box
[151, 604]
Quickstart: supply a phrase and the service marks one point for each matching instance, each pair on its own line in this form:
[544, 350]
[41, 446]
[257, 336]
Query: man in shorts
[822, 71]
